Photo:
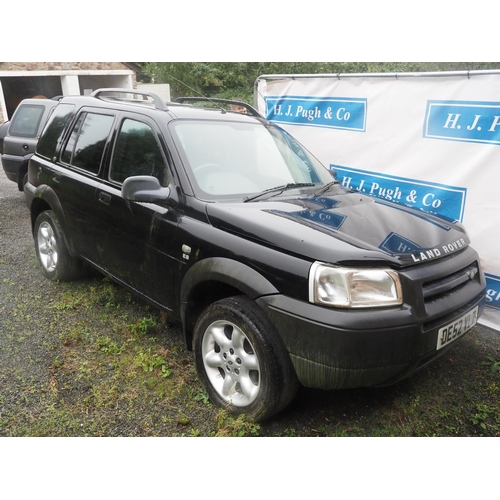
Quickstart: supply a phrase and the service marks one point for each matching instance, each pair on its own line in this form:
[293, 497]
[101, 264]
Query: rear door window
[86, 143]
[26, 121]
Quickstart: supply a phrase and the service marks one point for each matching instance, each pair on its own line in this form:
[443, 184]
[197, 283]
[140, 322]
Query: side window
[85, 146]
[51, 135]
[137, 152]
[26, 121]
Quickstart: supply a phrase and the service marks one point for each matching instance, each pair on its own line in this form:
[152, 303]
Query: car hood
[344, 228]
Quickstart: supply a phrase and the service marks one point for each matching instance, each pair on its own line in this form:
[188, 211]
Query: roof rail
[249, 109]
[158, 101]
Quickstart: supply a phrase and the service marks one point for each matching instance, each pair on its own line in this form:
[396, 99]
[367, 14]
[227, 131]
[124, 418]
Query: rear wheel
[52, 252]
[242, 361]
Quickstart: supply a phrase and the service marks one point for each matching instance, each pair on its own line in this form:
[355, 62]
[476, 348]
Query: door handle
[104, 198]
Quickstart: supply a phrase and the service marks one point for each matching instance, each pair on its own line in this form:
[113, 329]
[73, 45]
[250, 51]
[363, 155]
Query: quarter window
[49, 142]
[85, 146]
[137, 152]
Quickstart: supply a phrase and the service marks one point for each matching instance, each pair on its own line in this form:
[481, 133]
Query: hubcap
[47, 246]
[231, 363]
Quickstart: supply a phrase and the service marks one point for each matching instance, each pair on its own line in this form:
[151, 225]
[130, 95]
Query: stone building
[20, 80]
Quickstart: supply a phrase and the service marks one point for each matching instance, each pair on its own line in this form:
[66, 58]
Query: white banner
[426, 140]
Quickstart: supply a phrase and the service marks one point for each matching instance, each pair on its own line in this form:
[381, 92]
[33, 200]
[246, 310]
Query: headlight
[353, 287]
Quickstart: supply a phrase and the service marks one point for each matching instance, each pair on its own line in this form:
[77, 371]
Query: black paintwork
[182, 252]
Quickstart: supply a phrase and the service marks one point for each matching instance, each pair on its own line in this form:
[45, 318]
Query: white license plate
[453, 331]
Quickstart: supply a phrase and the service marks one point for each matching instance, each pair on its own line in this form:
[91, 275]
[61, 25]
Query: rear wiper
[279, 189]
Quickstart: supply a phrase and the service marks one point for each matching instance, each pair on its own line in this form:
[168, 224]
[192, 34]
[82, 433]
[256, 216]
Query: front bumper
[332, 349]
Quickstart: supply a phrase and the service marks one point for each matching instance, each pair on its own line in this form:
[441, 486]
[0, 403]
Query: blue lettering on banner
[447, 202]
[332, 112]
[492, 291]
[463, 121]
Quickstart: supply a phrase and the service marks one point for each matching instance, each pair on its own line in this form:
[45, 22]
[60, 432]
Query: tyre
[22, 180]
[52, 252]
[242, 361]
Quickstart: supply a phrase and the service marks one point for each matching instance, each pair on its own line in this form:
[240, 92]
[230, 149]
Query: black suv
[278, 274]
[18, 137]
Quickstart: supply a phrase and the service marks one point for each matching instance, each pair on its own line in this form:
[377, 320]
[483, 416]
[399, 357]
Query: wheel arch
[213, 279]
[23, 170]
[46, 199]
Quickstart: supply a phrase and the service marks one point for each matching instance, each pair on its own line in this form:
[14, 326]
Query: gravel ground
[27, 359]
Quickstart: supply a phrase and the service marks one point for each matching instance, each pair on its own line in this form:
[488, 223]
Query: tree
[236, 79]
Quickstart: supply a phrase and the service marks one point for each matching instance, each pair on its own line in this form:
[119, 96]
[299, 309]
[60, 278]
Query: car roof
[154, 105]
[41, 101]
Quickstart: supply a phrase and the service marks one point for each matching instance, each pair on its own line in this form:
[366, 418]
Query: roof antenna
[199, 93]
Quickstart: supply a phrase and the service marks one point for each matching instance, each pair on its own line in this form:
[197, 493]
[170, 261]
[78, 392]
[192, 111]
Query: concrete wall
[20, 80]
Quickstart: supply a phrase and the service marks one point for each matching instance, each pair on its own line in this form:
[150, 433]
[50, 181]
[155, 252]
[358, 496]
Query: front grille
[435, 289]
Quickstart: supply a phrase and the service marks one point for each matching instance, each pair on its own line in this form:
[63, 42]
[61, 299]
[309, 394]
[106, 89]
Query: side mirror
[144, 188]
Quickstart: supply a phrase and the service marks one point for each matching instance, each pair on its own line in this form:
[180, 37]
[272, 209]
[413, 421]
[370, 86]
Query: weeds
[235, 427]
[492, 363]
[203, 398]
[108, 346]
[487, 417]
[142, 327]
[88, 359]
[150, 362]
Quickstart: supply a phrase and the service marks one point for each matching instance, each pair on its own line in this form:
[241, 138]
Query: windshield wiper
[326, 187]
[279, 189]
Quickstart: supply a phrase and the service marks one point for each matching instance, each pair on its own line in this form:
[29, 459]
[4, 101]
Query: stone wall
[62, 66]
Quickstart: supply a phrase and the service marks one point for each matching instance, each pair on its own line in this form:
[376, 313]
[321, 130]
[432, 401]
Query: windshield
[235, 160]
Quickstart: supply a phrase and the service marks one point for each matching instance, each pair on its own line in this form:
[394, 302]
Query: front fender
[231, 272]
[198, 287]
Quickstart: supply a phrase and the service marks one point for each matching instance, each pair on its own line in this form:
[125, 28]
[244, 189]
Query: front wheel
[51, 250]
[242, 361]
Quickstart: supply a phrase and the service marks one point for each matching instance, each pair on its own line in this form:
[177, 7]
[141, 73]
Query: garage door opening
[17, 88]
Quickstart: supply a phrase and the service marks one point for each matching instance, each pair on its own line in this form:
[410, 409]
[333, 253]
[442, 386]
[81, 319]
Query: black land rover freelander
[278, 274]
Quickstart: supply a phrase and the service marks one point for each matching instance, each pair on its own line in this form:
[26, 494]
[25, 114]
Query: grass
[89, 359]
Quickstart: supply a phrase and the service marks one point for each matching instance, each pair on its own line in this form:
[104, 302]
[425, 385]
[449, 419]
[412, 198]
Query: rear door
[22, 135]
[75, 176]
[26, 126]
[23, 131]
